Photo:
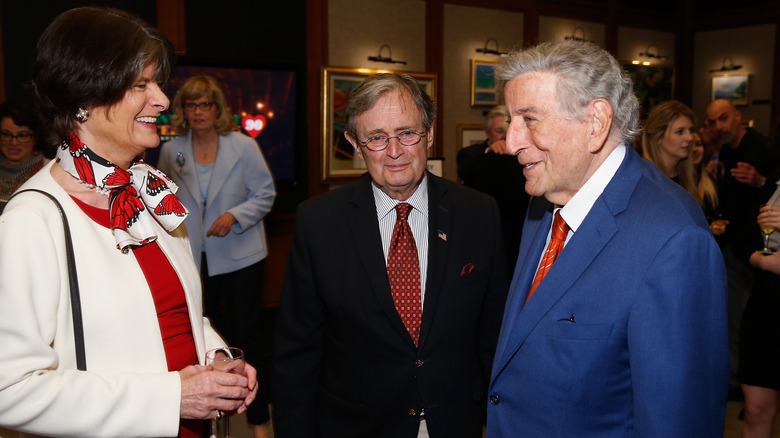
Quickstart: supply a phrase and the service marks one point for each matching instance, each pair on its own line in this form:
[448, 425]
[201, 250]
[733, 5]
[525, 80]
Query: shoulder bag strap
[75, 299]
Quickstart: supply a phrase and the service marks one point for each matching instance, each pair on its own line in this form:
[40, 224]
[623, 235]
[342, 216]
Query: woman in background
[97, 76]
[759, 333]
[227, 186]
[667, 140]
[20, 137]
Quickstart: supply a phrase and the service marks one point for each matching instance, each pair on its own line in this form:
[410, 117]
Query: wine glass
[228, 360]
[766, 230]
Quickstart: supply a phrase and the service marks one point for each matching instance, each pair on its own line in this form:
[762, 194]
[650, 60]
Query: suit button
[412, 412]
[419, 363]
[494, 399]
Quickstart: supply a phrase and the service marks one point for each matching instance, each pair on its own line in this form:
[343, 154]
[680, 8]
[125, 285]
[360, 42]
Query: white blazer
[127, 389]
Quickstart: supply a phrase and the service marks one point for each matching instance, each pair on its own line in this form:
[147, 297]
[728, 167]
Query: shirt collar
[418, 200]
[578, 207]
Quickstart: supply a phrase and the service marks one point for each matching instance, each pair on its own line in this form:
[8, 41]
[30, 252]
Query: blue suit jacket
[626, 335]
[241, 184]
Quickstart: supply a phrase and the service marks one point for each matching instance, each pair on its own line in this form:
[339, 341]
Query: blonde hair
[706, 186]
[658, 121]
[195, 88]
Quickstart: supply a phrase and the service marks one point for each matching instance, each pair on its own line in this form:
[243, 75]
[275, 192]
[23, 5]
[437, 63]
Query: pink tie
[559, 232]
[403, 271]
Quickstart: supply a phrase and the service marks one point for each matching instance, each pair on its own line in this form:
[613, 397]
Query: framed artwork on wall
[484, 91]
[653, 84]
[339, 162]
[733, 87]
[469, 134]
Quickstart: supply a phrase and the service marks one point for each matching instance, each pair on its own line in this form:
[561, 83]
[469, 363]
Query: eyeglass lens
[204, 106]
[24, 137]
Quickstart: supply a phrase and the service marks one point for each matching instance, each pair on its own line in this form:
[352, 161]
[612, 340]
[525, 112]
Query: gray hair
[498, 110]
[584, 72]
[368, 92]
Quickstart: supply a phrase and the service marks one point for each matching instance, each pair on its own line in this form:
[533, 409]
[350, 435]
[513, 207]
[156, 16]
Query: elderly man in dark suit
[394, 289]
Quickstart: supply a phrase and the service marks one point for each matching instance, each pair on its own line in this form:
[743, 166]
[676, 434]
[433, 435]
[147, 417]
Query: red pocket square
[467, 269]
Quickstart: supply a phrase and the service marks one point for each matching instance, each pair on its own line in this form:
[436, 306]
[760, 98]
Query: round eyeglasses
[379, 142]
[24, 137]
[204, 106]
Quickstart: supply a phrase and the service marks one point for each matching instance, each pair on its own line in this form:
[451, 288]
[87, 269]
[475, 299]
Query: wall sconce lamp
[574, 36]
[726, 67]
[657, 55]
[487, 51]
[389, 59]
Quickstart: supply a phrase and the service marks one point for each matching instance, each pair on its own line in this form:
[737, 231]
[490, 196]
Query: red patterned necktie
[558, 238]
[403, 271]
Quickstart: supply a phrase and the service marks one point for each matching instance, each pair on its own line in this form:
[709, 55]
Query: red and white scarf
[137, 195]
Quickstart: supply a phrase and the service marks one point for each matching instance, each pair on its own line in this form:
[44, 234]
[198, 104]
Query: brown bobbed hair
[195, 88]
[89, 58]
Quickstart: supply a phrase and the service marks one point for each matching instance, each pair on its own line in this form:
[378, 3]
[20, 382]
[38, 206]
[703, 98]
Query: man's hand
[746, 173]
[498, 147]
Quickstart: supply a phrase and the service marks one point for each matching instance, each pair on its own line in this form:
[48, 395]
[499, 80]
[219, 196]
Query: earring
[82, 115]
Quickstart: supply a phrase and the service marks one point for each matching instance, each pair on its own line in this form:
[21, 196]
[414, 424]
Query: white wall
[465, 30]
[753, 47]
[358, 28]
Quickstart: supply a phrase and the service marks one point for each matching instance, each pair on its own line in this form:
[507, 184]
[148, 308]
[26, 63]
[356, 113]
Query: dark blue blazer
[626, 335]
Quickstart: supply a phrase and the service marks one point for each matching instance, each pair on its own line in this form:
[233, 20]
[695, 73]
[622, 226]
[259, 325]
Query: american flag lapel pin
[442, 235]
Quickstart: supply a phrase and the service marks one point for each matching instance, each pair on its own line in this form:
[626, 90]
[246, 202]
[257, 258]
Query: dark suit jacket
[626, 335]
[344, 365]
[500, 176]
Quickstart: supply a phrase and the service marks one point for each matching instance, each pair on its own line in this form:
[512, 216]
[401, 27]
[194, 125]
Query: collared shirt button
[419, 363]
[494, 399]
[412, 412]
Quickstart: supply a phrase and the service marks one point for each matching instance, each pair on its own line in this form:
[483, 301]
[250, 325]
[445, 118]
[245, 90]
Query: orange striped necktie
[557, 240]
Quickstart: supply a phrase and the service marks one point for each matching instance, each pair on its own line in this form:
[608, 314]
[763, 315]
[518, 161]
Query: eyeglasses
[204, 106]
[24, 137]
[379, 142]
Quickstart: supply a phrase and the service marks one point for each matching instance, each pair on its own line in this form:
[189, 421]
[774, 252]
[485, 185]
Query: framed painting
[339, 162]
[733, 87]
[653, 84]
[469, 134]
[484, 91]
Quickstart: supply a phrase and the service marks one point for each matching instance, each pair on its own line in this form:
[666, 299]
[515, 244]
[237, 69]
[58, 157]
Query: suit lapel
[440, 220]
[588, 241]
[365, 229]
[227, 157]
[187, 174]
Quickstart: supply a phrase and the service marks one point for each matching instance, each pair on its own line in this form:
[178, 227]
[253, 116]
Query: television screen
[263, 103]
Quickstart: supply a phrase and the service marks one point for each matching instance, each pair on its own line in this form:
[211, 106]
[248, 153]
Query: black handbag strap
[75, 298]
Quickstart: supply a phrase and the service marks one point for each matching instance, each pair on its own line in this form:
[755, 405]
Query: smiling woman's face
[14, 150]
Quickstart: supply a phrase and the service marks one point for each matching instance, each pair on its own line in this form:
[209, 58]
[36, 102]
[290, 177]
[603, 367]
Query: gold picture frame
[484, 87]
[339, 163]
[470, 133]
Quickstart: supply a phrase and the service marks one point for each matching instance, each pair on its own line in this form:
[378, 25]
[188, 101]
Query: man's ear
[429, 138]
[600, 123]
[355, 145]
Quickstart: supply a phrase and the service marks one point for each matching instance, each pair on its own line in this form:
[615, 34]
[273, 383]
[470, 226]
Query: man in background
[741, 168]
[488, 168]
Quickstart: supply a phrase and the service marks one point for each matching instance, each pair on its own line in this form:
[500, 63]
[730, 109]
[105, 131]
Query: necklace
[99, 190]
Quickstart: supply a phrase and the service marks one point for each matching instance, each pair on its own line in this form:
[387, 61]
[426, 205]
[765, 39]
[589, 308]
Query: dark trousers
[233, 303]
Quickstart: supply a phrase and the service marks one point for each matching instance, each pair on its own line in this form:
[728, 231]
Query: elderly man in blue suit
[625, 335]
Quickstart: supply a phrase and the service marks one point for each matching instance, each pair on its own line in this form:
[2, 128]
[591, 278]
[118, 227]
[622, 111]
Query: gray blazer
[241, 184]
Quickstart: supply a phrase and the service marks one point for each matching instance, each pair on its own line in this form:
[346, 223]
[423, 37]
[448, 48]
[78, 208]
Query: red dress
[171, 305]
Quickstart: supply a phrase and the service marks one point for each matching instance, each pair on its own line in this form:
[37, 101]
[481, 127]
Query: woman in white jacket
[97, 75]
